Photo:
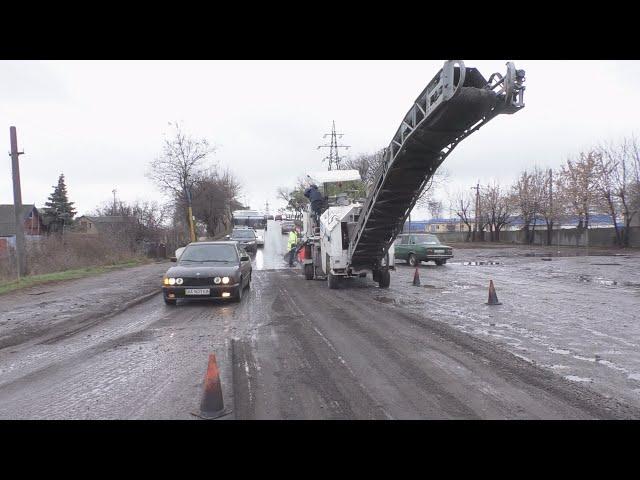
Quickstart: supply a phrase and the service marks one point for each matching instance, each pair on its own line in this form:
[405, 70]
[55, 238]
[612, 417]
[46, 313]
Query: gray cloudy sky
[101, 122]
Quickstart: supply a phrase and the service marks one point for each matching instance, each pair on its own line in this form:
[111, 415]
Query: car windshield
[209, 253]
[427, 240]
[243, 234]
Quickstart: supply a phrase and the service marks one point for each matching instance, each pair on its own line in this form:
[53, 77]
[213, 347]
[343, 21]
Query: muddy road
[292, 349]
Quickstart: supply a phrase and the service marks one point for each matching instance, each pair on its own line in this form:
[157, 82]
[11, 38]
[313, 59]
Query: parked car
[421, 247]
[246, 238]
[278, 218]
[208, 270]
[287, 226]
[260, 236]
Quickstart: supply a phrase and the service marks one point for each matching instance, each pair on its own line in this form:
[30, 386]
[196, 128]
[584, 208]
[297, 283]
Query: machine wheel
[308, 271]
[412, 260]
[169, 301]
[332, 281]
[384, 278]
[249, 281]
[440, 262]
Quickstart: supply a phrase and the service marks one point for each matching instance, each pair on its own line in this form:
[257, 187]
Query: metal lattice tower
[333, 157]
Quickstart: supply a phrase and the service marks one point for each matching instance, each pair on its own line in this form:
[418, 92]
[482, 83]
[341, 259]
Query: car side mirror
[227, 237]
[173, 259]
[244, 258]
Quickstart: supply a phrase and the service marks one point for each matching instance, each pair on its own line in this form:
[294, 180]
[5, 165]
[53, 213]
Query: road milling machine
[354, 236]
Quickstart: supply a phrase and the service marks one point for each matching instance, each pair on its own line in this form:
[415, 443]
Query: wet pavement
[295, 349]
[574, 315]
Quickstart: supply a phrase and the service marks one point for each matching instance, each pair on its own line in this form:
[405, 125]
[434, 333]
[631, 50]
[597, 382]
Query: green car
[421, 247]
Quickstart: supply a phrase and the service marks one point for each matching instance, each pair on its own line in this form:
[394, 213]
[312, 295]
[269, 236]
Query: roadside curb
[78, 323]
[132, 303]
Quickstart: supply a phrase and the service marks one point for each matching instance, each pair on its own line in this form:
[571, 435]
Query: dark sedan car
[208, 270]
[246, 238]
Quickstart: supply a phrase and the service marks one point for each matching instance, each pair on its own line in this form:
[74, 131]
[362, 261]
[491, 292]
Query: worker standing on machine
[316, 199]
[292, 245]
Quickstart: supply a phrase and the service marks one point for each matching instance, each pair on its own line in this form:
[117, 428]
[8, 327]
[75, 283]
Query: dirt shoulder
[54, 308]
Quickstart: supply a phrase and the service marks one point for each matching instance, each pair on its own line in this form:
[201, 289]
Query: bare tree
[623, 177]
[497, 207]
[528, 193]
[367, 164]
[214, 199]
[140, 221]
[461, 204]
[295, 200]
[435, 208]
[179, 165]
[578, 179]
[606, 171]
[550, 205]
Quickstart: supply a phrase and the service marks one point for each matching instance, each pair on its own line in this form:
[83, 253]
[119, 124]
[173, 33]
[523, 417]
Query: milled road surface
[292, 349]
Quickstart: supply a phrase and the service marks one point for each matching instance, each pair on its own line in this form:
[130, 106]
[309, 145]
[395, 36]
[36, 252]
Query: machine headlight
[225, 280]
[165, 281]
[217, 280]
[179, 281]
[172, 281]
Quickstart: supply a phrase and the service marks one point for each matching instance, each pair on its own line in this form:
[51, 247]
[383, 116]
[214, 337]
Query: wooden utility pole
[17, 205]
[192, 230]
[476, 228]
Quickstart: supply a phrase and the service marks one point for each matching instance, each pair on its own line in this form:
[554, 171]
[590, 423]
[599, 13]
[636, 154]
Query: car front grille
[197, 281]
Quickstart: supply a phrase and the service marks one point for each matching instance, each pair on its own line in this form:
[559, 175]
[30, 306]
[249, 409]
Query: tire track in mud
[513, 369]
[291, 371]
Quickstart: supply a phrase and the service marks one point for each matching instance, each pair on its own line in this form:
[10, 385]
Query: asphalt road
[292, 349]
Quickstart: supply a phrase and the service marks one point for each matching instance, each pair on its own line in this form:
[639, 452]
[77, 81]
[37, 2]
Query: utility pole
[17, 205]
[476, 227]
[266, 208]
[334, 157]
[114, 201]
[192, 230]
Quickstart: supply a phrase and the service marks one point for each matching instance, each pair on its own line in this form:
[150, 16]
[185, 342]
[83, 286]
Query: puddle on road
[575, 378]
[474, 263]
[602, 281]
[384, 299]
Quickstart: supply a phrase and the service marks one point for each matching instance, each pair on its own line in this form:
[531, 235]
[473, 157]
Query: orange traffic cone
[416, 278]
[493, 298]
[212, 405]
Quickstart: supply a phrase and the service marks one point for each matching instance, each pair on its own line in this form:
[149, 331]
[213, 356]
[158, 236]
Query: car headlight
[225, 280]
[172, 281]
[165, 281]
[179, 281]
[217, 280]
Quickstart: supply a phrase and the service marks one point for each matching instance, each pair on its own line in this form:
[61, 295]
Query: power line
[333, 157]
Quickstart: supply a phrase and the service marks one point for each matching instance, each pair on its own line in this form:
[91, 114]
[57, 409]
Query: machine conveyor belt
[455, 104]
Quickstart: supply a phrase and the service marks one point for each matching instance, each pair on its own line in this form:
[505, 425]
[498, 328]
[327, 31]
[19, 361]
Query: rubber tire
[248, 287]
[440, 262]
[384, 278]
[238, 297]
[308, 271]
[169, 301]
[411, 260]
[332, 281]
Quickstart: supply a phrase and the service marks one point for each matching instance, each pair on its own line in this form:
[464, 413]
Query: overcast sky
[102, 122]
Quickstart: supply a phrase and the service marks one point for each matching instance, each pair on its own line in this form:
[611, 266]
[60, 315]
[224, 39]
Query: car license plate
[197, 291]
[439, 251]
